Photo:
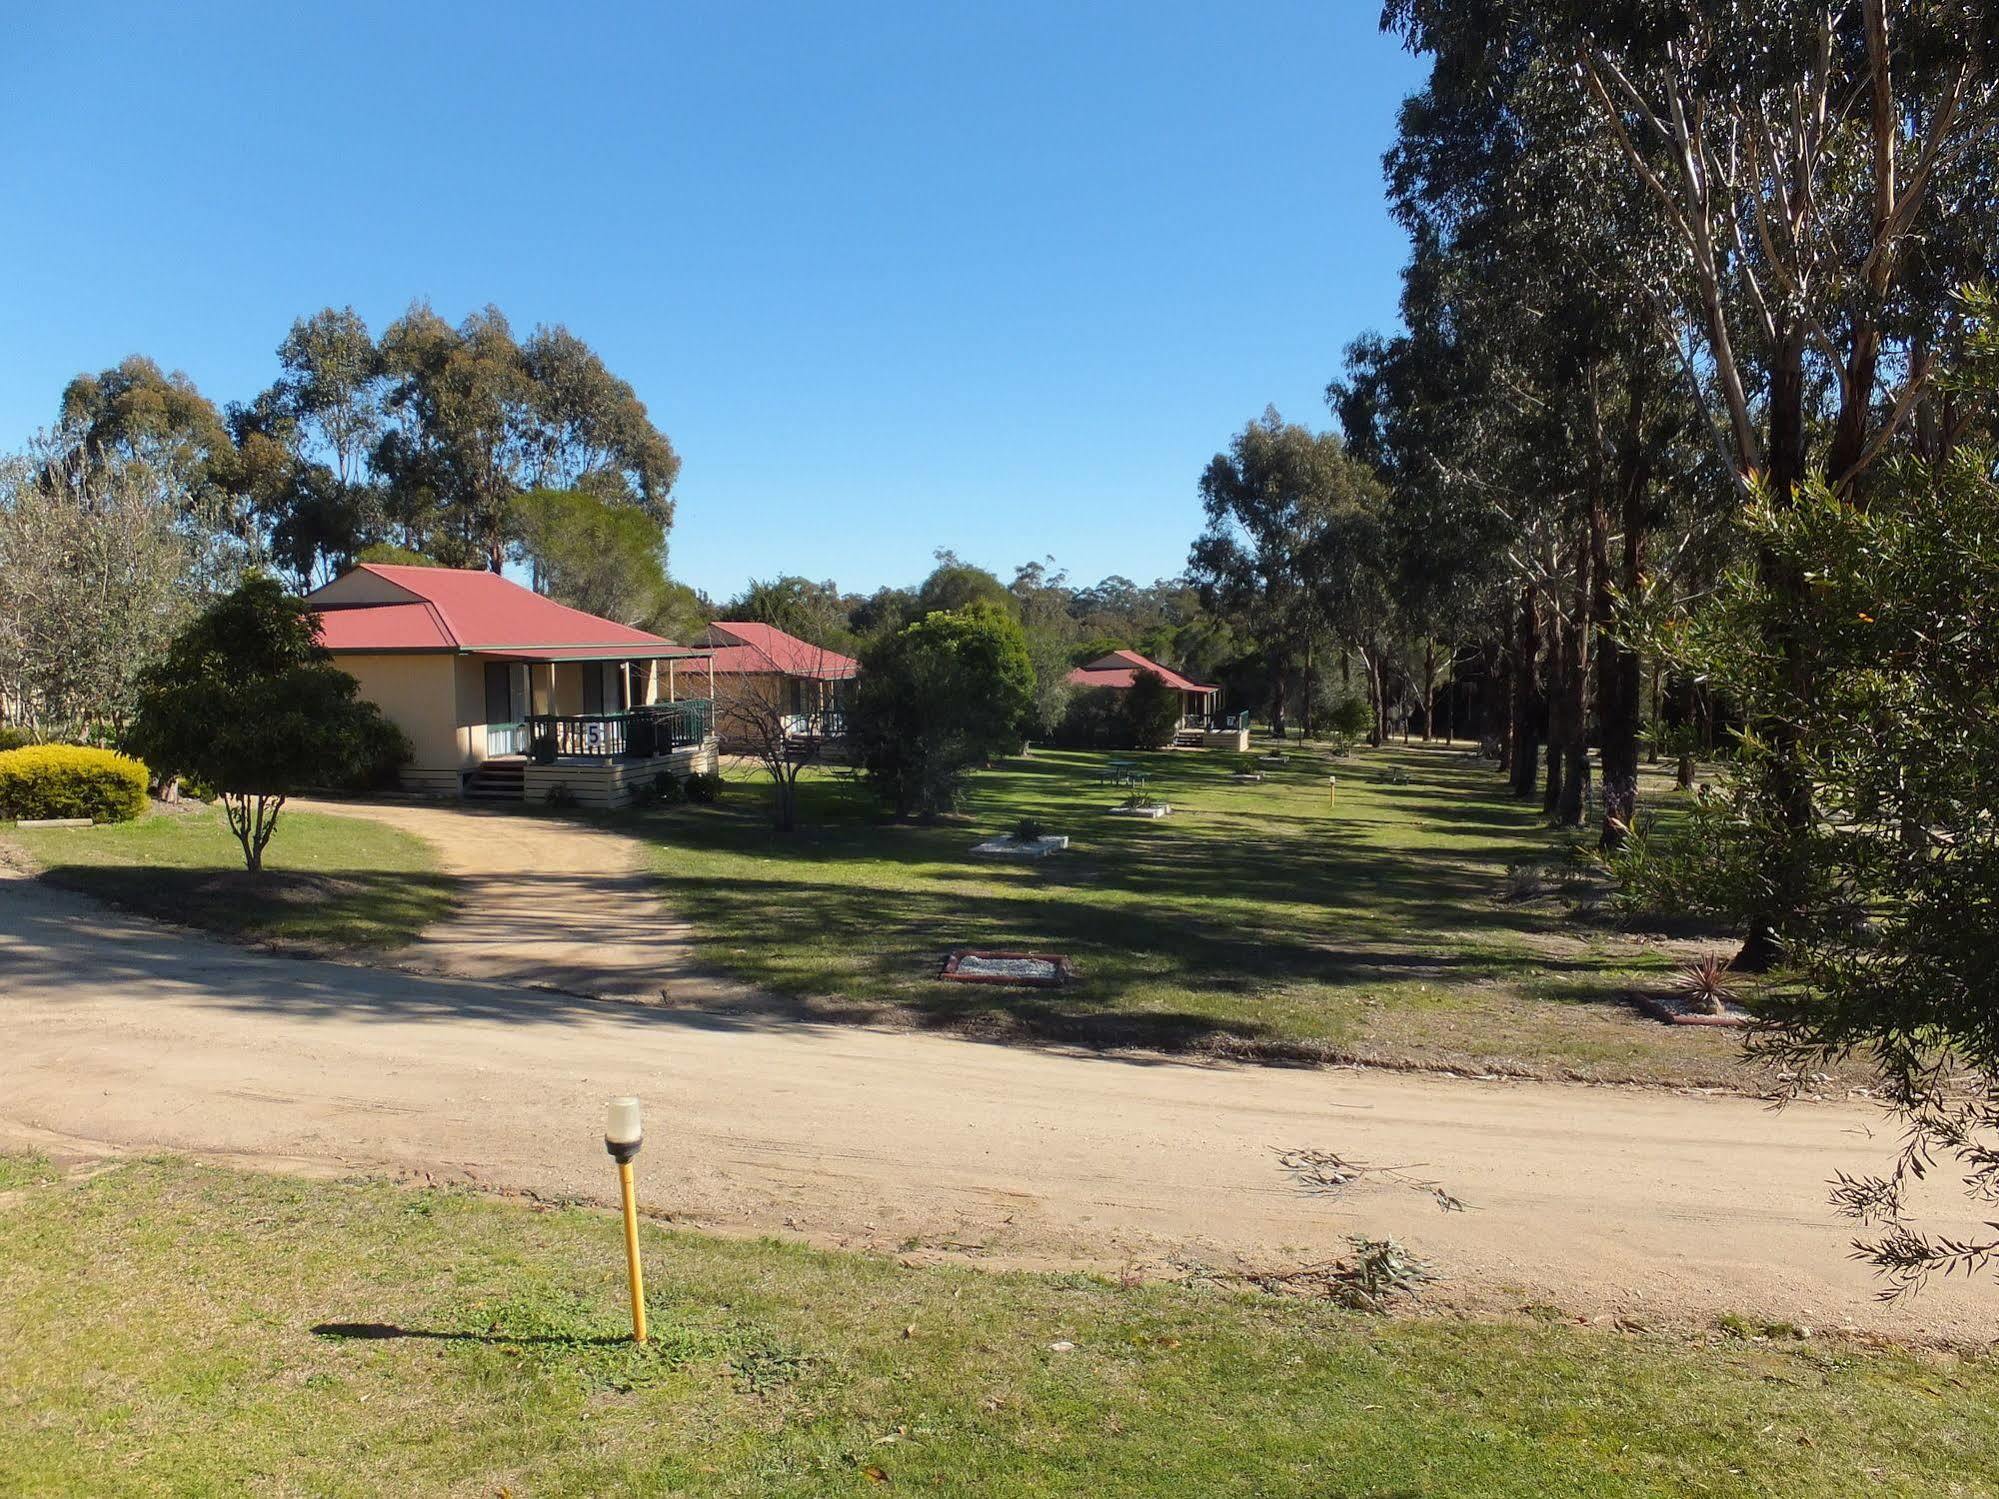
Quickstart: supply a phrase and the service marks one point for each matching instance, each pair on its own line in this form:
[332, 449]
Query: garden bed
[1022, 848]
[1031, 969]
[1680, 1009]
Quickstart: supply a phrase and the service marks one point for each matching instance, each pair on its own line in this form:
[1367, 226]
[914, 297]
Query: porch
[599, 760]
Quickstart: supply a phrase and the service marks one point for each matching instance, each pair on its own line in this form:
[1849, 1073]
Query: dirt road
[118, 1034]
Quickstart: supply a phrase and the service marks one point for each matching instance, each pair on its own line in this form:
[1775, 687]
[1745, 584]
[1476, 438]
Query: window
[499, 692]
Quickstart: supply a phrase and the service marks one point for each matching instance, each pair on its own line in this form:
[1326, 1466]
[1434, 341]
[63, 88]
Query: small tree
[935, 699]
[248, 701]
[1149, 711]
[755, 711]
[1898, 726]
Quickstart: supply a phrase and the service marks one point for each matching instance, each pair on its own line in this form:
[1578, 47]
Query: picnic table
[1121, 773]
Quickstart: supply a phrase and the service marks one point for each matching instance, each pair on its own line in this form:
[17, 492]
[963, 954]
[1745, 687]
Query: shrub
[667, 790]
[934, 700]
[1700, 869]
[705, 788]
[12, 738]
[1027, 830]
[1150, 711]
[559, 798]
[69, 780]
[381, 751]
[1350, 718]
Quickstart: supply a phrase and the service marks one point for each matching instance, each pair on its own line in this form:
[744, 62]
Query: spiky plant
[1706, 984]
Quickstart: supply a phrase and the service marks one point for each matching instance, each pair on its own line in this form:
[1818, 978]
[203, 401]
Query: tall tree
[602, 558]
[1290, 529]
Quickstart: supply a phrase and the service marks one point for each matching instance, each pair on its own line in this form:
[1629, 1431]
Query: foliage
[814, 612]
[937, 698]
[95, 574]
[389, 554]
[1705, 983]
[12, 738]
[477, 419]
[560, 798]
[603, 558]
[1891, 690]
[248, 701]
[1700, 867]
[704, 788]
[1289, 549]
[68, 780]
[1092, 719]
[1350, 717]
[1149, 711]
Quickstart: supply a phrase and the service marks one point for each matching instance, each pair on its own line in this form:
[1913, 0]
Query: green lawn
[329, 883]
[1258, 919]
[166, 1328]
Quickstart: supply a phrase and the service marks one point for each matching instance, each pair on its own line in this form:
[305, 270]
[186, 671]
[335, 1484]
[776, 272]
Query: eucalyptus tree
[477, 419]
[1823, 172]
[304, 446]
[1290, 550]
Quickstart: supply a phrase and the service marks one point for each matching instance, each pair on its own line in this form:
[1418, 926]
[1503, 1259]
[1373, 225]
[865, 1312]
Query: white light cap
[621, 1121]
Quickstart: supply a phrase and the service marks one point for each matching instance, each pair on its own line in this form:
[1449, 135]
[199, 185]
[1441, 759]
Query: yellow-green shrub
[71, 780]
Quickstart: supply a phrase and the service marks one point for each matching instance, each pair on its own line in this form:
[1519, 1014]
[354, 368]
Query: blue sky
[892, 277]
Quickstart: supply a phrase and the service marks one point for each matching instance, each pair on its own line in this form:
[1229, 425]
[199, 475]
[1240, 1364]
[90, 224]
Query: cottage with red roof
[759, 669]
[1201, 726]
[507, 694]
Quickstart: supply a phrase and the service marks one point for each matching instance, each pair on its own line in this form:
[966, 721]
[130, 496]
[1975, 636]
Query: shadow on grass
[380, 1331]
[342, 908]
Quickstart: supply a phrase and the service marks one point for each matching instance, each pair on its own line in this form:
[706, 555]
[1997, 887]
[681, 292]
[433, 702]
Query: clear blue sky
[892, 277]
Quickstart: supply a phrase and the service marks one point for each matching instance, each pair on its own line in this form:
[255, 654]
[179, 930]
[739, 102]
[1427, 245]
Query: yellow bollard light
[622, 1136]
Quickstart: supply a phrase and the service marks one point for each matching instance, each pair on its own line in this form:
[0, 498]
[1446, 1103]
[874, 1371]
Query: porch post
[671, 695]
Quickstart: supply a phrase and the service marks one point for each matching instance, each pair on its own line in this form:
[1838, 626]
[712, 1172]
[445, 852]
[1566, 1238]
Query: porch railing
[637, 733]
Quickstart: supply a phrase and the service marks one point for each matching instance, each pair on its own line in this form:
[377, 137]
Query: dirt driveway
[119, 1034]
[546, 903]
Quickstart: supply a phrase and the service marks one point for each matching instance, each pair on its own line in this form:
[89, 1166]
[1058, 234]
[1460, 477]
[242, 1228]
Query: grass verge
[168, 1328]
[1260, 918]
[329, 883]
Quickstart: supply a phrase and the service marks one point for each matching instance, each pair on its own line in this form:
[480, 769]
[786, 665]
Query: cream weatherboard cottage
[508, 695]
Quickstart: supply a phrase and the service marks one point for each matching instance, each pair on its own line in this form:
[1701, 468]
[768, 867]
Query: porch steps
[498, 781]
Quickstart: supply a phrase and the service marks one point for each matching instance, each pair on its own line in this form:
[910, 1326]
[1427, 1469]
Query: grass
[168, 1328]
[329, 883]
[1257, 919]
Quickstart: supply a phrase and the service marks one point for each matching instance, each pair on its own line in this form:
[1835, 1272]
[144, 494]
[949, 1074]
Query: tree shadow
[370, 1332]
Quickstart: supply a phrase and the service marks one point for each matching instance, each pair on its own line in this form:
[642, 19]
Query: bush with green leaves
[71, 780]
[704, 789]
[1149, 711]
[247, 701]
[937, 698]
[1350, 718]
[1890, 696]
[12, 738]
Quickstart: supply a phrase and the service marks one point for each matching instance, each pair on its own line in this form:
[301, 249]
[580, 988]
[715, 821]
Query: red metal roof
[1120, 668]
[455, 609]
[744, 646]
